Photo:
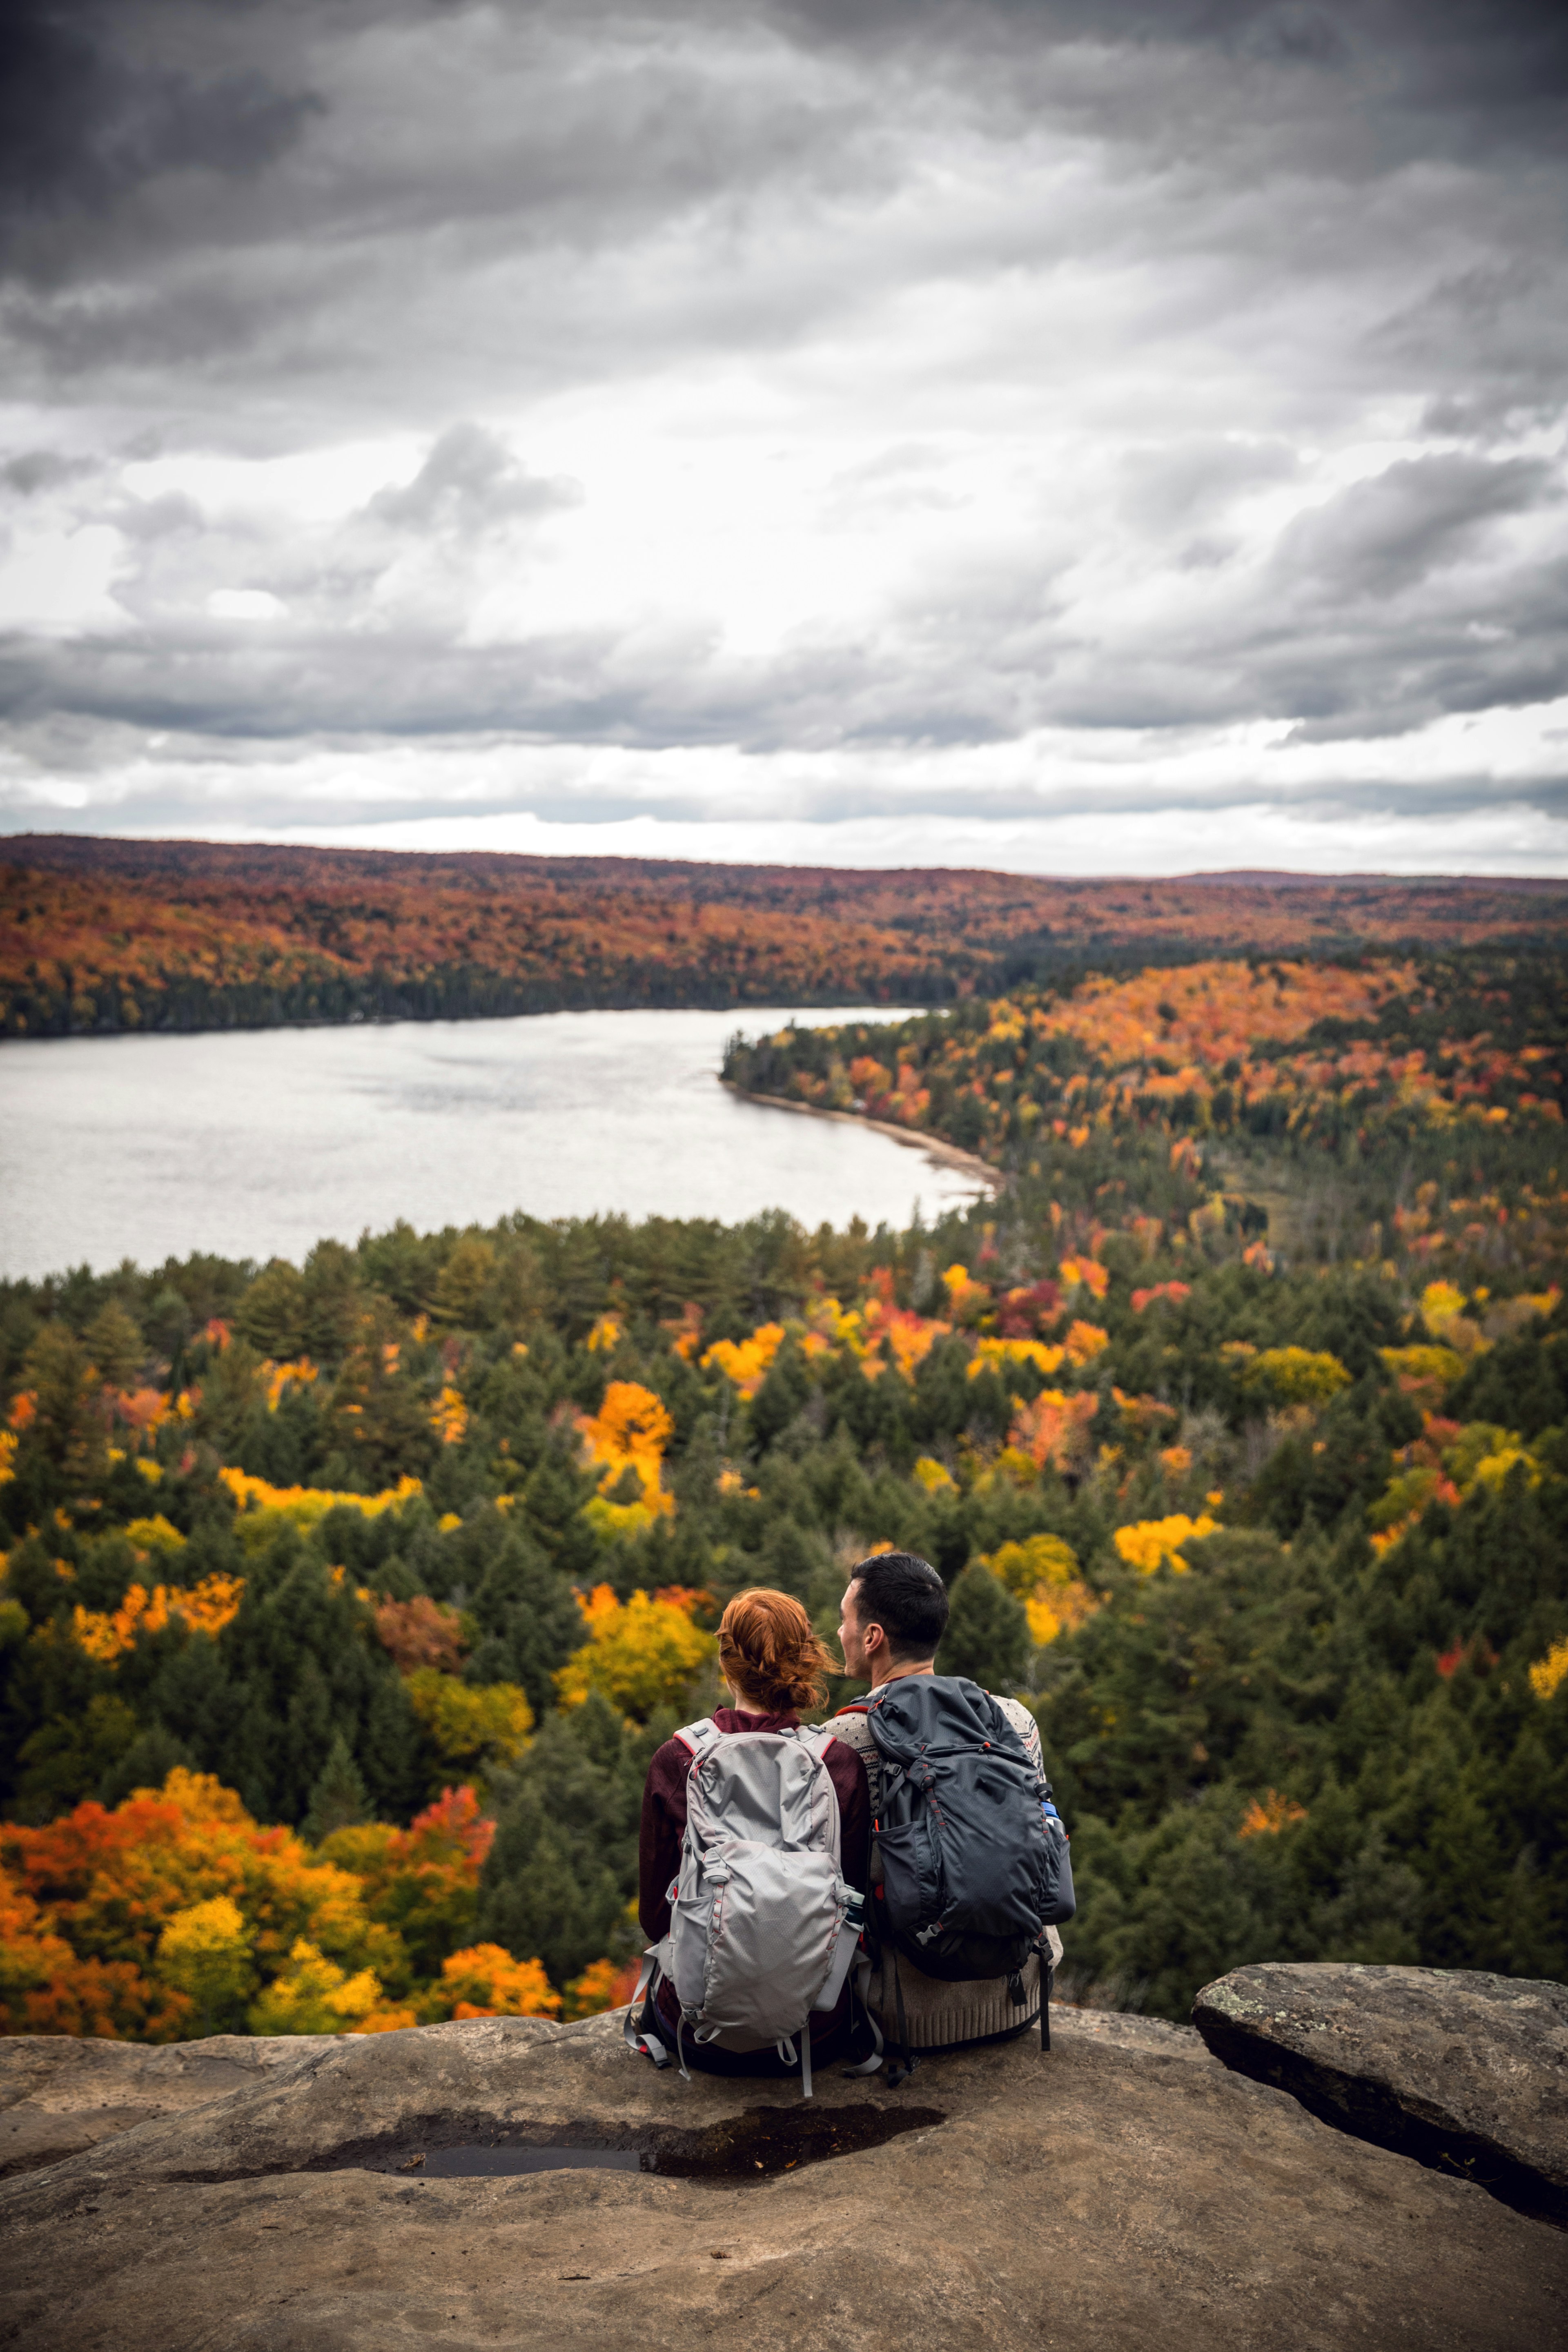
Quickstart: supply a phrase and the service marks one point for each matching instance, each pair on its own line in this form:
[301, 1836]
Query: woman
[772, 1665]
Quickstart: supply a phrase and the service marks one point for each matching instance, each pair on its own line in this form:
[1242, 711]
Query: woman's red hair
[769, 1655]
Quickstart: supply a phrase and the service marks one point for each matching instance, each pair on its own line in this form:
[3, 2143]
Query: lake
[257, 1143]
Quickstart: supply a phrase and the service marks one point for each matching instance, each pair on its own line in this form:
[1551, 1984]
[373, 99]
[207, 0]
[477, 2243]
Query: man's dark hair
[905, 1596]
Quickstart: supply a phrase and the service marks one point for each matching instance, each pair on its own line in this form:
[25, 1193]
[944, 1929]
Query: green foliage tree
[272, 1312]
[338, 1798]
[529, 1623]
[114, 1344]
[564, 1868]
[987, 1636]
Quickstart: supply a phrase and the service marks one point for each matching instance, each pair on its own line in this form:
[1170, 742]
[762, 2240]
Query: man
[893, 1617]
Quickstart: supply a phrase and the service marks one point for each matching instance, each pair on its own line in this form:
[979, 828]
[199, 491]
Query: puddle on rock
[759, 2145]
[478, 2163]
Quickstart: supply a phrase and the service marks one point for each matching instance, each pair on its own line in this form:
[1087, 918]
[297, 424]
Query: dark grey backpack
[975, 1857]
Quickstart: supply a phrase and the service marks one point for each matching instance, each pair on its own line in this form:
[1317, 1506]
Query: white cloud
[244, 604]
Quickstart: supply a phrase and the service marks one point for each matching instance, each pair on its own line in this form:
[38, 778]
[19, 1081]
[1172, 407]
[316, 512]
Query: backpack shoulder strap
[701, 1738]
[817, 1738]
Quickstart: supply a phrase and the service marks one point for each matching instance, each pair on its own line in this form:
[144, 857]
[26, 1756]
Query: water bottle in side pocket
[1060, 1903]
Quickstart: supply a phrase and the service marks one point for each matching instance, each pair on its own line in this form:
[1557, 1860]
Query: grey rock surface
[1128, 2190]
[59, 2095]
[1458, 2069]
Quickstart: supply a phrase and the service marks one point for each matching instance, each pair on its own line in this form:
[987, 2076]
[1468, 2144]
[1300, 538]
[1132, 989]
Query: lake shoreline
[945, 1154]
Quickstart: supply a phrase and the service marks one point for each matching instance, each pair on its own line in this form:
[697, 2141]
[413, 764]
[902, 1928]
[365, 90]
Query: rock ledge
[1466, 2073]
[1129, 2189]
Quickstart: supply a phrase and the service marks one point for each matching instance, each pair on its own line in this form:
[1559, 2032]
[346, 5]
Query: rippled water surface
[257, 1144]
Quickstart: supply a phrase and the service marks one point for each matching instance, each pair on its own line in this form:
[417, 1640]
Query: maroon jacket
[664, 1825]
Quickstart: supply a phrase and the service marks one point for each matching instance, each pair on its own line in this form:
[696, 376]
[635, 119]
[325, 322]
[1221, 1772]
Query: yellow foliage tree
[206, 1608]
[965, 1296]
[1441, 1305]
[485, 1980]
[1043, 1571]
[314, 1995]
[628, 1435]
[1085, 1341]
[1038, 1559]
[450, 1416]
[1295, 1375]
[1425, 1367]
[1547, 1674]
[1151, 1544]
[205, 1952]
[264, 1509]
[156, 1534]
[934, 1475]
[641, 1652]
[473, 1728]
[746, 1361]
[994, 1352]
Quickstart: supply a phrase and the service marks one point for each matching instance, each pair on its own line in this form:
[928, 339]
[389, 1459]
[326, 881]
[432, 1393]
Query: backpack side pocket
[1061, 1904]
[913, 1889]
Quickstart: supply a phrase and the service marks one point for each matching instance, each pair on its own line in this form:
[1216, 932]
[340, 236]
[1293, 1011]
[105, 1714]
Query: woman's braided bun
[769, 1656]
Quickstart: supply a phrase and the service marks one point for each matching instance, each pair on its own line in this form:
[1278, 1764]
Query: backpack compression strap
[648, 2044]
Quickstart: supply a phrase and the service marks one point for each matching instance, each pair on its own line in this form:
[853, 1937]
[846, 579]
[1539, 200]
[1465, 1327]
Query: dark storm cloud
[1424, 514]
[629, 118]
[83, 124]
[288, 181]
[1501, 64]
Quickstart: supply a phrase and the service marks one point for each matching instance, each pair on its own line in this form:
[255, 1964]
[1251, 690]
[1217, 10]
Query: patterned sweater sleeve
[1027, 1730]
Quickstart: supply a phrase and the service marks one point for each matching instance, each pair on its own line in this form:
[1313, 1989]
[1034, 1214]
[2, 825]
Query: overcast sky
[1111, 437]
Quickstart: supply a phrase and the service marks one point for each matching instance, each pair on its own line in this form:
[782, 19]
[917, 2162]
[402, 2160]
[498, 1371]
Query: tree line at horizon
[343, 1604]
[108, 936]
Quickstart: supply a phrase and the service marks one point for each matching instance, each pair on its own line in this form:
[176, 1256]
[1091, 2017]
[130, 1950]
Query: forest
[102, 935]
[344, 1603]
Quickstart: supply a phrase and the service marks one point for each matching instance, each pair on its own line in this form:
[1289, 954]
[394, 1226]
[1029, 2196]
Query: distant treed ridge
[98, 935]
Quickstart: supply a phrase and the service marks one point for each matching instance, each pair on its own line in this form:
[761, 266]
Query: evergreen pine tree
[339, 1796]
[529, 1619]
[987, 1635]
[563, 1867]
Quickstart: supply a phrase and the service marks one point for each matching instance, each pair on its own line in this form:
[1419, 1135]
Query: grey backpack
[762, 1927]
